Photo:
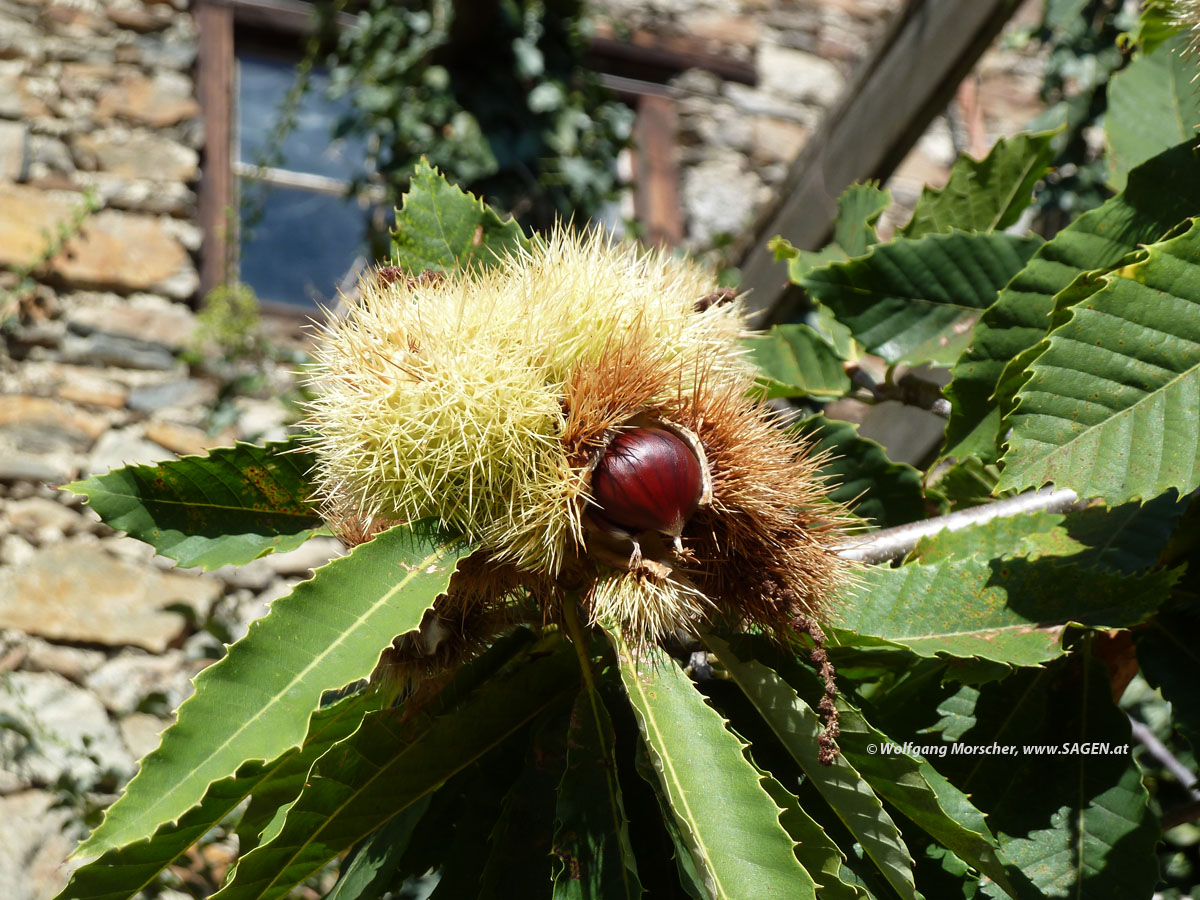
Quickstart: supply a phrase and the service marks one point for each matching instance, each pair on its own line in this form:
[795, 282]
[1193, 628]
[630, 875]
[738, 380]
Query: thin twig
[1156, 748]
[893, 543]
[908, 389]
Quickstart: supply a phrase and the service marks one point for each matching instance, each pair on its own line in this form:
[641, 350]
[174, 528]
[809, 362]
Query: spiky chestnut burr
[488, 399]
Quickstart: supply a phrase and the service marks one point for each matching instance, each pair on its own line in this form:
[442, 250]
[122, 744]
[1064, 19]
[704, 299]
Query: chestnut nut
[647, 480]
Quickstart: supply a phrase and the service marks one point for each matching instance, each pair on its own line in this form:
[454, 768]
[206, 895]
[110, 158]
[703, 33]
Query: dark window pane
[302, 245]
[263, 83]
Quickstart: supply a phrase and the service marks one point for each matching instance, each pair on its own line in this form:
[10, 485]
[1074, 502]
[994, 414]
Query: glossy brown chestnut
[648, 480]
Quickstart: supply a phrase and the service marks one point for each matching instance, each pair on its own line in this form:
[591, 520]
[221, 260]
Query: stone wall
[97, 105]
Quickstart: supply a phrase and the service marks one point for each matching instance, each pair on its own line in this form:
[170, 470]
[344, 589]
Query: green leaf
[987, 194]
[592, 835]
[1100, 238]
[390, 763]
[1128, 539]
[283, 782]
[909, 783]
[519, 858]
[796, 361]
[1168, 649]
[816, 851]
[1009, 536]
[256, 702]
[1012, 611]
[1074, 817]
[122, 872]
[367, 875]
[848, 794]
[859, 208]
[460, 822]
[914, 301]
[886, 492]
[729, 822]
[453, 836]
[801, 262]
[968, 482]
[690, 878]
[441, 228]
[1110, 408]
[920, 792]
[957, 713]
[1155, 25]
[1125, 541]
[264, 816]
[227, 508]
[1153, 104]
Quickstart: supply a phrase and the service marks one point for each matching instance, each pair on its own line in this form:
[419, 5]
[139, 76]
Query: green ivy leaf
[728, 821]
[1143, 213]
[796, 361]
[256, 702]
[227, 508]
[987, 194]
[1012, 611]
[442, 228]
[848, 794]
[888, 493]
[1153, 104]
[390, 764]
[1110, 407]
[914, 301]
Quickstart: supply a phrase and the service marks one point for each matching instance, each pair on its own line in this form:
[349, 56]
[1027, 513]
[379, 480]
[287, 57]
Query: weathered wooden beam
[214, 87]
[907, 80]
[280, 16]
[656, 58]
[657, 197]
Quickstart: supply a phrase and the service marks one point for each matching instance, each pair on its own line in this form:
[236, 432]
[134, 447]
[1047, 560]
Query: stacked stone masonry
[98, 637]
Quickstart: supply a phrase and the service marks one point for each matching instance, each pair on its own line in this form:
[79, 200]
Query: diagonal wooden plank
[901, 86]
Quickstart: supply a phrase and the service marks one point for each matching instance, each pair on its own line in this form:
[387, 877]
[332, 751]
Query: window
[301, 235]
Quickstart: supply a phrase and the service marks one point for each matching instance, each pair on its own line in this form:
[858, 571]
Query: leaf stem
[570, 607]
